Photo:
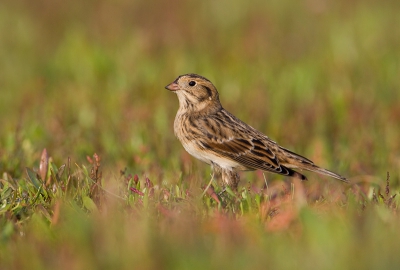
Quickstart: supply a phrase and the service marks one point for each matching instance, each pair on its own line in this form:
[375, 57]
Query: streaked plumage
[210, 133]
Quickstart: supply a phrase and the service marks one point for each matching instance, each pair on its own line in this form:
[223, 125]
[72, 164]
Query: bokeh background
[320, 77]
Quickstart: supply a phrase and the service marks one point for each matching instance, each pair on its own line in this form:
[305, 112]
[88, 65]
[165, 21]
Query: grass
[321, 78]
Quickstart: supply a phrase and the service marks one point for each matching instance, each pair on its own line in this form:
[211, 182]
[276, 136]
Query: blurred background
[320, 77]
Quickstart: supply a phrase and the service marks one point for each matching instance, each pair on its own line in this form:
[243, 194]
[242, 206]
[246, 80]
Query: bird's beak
[172, 87]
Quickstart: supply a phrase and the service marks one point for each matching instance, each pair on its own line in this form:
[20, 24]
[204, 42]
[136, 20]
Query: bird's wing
[229, 137]
[250, 153]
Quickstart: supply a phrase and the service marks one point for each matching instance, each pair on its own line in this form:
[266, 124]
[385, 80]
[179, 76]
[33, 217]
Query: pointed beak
[172, 87]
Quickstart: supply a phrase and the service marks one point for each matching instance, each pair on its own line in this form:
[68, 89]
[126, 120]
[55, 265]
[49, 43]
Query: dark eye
[192, 83]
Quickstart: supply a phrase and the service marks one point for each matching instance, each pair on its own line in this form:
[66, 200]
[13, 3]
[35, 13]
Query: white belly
[209, 157]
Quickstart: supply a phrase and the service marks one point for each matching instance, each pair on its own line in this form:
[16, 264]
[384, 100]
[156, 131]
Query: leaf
[60, 172]
[8, 179]
[6, 193]
[89, 204]
[230, 192]
[85, 171]
[33, 177]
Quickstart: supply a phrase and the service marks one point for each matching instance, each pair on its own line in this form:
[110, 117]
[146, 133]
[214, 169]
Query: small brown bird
[210, 133]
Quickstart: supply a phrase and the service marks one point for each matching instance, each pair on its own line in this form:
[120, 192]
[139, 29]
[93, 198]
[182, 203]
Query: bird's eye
[192, 83]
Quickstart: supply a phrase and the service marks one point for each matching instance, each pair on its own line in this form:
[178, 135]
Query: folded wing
[250, 153]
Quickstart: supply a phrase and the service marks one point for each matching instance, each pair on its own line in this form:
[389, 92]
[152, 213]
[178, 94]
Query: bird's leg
[216, 170]
[222, 191]
[230, 178]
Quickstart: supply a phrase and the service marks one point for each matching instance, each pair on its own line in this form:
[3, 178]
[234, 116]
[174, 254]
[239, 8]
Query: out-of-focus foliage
[79, 77]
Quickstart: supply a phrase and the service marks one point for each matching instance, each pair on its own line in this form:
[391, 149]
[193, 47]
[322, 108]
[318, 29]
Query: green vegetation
[78, 78]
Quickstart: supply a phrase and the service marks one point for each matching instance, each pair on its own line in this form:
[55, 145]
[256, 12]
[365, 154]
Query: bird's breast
[190, 136]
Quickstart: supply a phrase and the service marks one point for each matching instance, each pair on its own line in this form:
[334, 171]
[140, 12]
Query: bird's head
[195, 93]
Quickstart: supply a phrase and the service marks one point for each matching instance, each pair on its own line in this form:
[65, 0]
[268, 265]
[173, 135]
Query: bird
[215, 136]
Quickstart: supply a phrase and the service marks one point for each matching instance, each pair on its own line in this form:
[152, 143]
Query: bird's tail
[315, 168]
[300, 162]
